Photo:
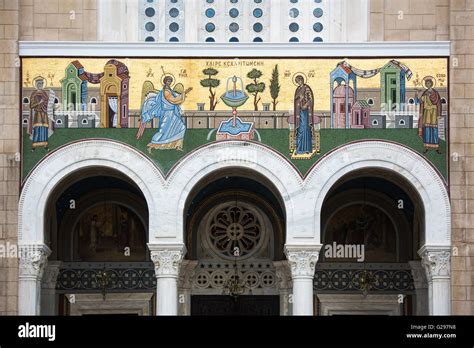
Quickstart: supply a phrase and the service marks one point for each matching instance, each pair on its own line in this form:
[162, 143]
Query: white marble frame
[357, 304]
[393, 158]
[114, 303]
[302, 198]
[236, 49]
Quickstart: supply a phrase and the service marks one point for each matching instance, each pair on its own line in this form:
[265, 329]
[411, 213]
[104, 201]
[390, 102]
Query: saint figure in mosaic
[430, 112]
[40, 125]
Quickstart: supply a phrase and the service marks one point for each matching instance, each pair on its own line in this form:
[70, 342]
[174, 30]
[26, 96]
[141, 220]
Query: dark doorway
[111, 113]
[243, 305]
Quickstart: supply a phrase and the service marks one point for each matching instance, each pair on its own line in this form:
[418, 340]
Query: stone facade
[390, 20]
[69, 20]
[57, 20]
[9, 145]
[417, 20]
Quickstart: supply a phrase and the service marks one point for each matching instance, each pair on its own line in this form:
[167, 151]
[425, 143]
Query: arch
[79, 155]
[224, 155]
[111, 87]
[423, 177]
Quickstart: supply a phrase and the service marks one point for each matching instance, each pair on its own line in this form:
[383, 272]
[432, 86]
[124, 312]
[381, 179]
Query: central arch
[253, 157]
[235, 228]
[239, 159]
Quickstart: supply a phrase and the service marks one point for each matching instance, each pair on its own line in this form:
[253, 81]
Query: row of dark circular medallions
[381, 280]
[117, 279]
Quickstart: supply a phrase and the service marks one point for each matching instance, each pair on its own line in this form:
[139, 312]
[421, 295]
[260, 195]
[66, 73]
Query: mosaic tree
[211, 83]
[275, 86]
[256, 87]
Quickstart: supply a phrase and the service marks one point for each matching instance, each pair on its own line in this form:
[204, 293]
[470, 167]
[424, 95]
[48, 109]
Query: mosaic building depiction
[256, 158]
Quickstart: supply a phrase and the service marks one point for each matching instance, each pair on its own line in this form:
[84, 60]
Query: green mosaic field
[275, 138]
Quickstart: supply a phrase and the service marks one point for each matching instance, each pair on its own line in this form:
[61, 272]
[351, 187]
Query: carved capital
[436, 261]
[302, 260]
[32, 260]
[167, 259]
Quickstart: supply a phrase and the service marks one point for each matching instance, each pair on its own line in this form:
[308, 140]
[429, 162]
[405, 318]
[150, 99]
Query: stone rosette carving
[167, 260]
[437, 262]
[302, 260]
[32, 261]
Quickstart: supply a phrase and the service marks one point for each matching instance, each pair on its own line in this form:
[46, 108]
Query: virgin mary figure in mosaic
[305, 141]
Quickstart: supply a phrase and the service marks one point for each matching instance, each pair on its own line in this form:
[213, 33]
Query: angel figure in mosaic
[164, 106]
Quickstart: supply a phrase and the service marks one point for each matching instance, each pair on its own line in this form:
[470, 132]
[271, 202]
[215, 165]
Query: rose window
[235, 231]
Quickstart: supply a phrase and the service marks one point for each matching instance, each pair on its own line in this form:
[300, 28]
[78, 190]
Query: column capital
[436, 261]
[167, 258]
[32, 260]
[302, 259]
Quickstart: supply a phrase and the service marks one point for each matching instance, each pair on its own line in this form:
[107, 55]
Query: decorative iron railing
[84, 277]
[387, 277]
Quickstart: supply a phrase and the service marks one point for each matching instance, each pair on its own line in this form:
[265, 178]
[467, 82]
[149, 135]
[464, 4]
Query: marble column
[167, 259]
[49, 300]
[283, 273]
[31, 264]
[421, 288]
[436, 261]
[302, 260]
[185, 284]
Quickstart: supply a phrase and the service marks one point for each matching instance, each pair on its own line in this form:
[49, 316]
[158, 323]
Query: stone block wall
[414, 20]
[68, 20]
[9, 145]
